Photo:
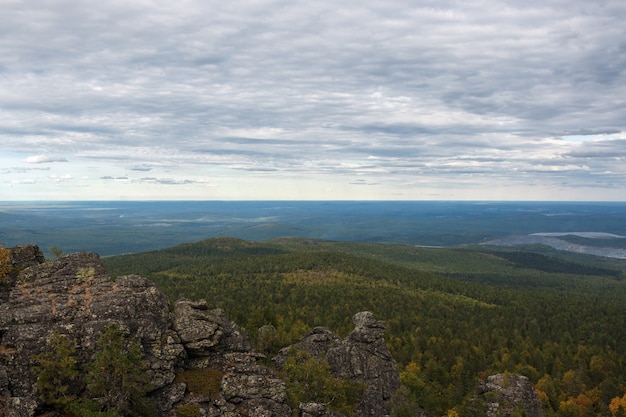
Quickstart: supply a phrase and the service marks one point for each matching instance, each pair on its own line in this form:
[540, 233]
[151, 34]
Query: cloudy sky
[325, 99]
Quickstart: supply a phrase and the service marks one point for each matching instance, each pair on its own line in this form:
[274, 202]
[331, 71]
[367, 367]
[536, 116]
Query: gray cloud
[141, 168]
[331, 88]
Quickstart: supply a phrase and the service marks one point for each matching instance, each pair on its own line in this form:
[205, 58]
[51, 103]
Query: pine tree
[117, 376]
[57, 371]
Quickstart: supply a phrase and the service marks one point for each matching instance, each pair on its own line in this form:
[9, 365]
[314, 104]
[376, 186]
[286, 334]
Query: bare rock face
[317, 410]
[24, 256]
[205, 332]
[362, 356]
[74, 296]
[213, 342]
[20, 257]
[254, 389]
[509, 393]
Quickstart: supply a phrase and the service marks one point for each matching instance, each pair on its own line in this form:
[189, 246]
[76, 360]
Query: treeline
[453, 316]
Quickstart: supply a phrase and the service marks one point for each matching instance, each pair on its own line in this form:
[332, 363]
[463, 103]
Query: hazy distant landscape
[111, 228]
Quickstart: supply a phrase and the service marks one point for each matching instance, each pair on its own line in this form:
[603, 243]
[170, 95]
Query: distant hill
[140, 226]
[453, 315]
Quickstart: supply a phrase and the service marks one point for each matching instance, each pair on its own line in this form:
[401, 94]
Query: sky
[313, 100]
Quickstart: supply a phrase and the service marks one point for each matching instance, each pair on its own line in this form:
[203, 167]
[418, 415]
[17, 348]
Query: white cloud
[43, 159]
[23, 181]
[59, 178]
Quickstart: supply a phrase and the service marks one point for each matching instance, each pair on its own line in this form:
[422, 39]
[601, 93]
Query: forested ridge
[453, 315]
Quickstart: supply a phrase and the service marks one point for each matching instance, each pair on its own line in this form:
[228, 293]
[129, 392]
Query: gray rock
[317, 410]
[317, 343]
[261, 407]
[510, 392]
[245, 380]
[74, 296]
[204, 332]
[362, 356]
[20, 257]
[20, 407]
[24, 256]
[166, 397]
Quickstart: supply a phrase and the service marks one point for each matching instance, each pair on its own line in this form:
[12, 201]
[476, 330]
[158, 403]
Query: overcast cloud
[271, 99]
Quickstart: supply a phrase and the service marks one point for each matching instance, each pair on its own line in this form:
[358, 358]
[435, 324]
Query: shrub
[310, 379]
[5, 264]
[188, 410]
[201, 381]
[85, 407]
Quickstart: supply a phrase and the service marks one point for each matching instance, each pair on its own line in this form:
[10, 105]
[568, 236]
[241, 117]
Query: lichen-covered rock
[262, 407]
[74, 296]
[317, 410]
[20, 407]
[317, 343]
[20, 257]
[166, 397]
[204, 332]
[245, 380]
[212, 341]
[509, 393]
[362, 356]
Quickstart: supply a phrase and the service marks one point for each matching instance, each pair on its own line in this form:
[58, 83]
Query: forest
[454, 315]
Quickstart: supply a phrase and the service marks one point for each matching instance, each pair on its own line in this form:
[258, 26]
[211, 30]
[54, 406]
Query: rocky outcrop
[362, 356]
[507, 393]
[74, 296]
[20, 257]
[205, 332]
[23, 256]
[213, 342]
[196, 358]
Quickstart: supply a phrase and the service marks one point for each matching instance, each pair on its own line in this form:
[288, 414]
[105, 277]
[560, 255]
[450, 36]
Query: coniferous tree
[117, 376]
[56, 371]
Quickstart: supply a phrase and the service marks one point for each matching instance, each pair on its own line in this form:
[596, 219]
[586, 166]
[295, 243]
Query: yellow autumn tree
[5, 263]
[452, 413]
[618, 406]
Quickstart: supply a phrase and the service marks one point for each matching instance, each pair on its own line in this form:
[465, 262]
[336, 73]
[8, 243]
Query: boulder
[205, 332]
[317, 410]
[24, 256]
